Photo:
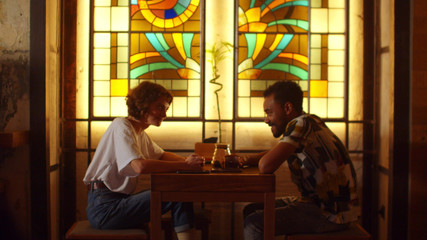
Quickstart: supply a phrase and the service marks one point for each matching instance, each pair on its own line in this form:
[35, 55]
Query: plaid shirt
[321, 167]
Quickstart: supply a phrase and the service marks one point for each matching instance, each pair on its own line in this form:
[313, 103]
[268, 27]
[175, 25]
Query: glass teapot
[221, 150]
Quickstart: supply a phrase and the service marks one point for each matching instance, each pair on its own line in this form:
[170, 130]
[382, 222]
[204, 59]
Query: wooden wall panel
[418, 164]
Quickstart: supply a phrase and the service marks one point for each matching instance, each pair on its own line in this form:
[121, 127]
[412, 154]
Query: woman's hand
[195, 160]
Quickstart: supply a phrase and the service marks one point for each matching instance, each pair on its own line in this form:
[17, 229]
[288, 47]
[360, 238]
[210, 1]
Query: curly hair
[139, 98]
[286, 91]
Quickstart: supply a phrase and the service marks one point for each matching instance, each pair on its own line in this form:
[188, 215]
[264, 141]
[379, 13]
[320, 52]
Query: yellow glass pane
[179, 85]
[118, 107]
[193, 107]
[335, 107]
[336, 41]
[338, 129]
[179, 107]
[246, 64]
[318, 106]
[122, 54]
[101, 88]
[257, 107]
[123, 2]
[192, 64]
[243, 106]
[244, 88]
[101, 72]
[101, 40]
[257, 27]
[122, 39]
[253, 14]
[336, 73]
[101, 106]
[305, 104]
[102, 3]
[316, 41]
[316, 56]
[193, 88]
[336, 57]
[176, 135]
[169, 23]
[102, 19]
[81, 134]
[315, 71]
[337, 21]
[318, 89]
[148, 15]
[122, 70]
[119, 87]
[335, 89]
[319, 20]
[303, 85]
[260, 40]
[119, 19]
[177, 39]
[336, 4]
[355, 136]
[242, 17]
[97, 130]
[316, 3]
[101, 56]
[254, 136]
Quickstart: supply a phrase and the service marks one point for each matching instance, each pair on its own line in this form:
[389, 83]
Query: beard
[276, 130]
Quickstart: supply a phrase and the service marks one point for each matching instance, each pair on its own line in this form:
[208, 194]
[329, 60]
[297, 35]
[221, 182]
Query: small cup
[231, 161]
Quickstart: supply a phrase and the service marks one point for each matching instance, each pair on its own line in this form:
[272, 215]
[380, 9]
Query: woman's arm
[170, 162]
[169, 156]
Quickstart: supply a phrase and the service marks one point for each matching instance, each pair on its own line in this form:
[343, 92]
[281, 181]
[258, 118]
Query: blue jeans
[112, 210]
[291, 218]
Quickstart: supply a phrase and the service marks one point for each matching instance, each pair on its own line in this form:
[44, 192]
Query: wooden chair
[354, 232]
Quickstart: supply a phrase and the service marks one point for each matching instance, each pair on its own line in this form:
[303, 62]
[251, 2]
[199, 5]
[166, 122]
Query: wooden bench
[354, 232]
[84, 231]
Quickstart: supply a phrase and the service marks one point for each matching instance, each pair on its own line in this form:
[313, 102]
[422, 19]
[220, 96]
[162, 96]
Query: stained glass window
[277, 41]
[141, 40]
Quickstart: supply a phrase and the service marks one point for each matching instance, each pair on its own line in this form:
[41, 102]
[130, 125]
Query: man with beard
[319, 164]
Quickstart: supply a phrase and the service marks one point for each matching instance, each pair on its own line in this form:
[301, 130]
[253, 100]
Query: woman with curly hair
[124, 152]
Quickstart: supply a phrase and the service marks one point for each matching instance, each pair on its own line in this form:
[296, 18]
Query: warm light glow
[319, 107]
[220, 27]
[119, 18]
[319, 20]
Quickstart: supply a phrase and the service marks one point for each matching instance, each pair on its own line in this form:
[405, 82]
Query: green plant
[218, 52]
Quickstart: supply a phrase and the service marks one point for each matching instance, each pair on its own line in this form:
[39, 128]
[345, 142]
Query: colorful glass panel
[141, 40]
[273, 45]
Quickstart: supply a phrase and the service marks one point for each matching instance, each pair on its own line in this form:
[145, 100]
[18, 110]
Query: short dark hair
[286, 91]
[139, 98]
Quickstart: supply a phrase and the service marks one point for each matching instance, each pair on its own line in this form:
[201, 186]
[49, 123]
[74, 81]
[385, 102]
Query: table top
[248, 180]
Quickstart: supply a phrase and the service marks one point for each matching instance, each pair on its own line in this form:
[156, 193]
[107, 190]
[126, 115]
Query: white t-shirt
[119, 145]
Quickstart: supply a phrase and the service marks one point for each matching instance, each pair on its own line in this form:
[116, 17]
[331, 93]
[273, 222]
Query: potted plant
[217, 53]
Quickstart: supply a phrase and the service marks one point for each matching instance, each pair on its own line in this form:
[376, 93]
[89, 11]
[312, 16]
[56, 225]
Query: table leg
[269, 215]
[155, 216]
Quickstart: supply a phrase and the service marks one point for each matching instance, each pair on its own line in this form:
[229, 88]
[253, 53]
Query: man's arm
[272, 159]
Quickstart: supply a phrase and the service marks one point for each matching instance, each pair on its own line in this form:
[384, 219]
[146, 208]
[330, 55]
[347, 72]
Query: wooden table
[247, 186]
